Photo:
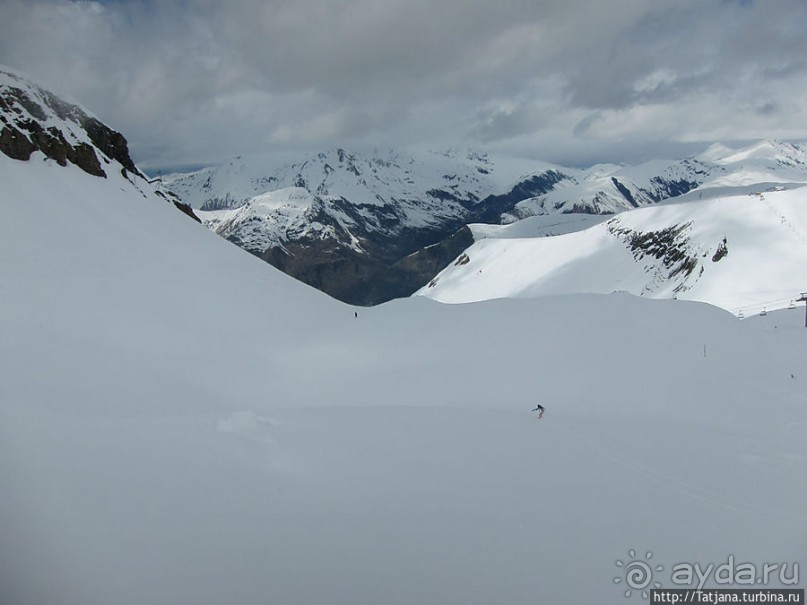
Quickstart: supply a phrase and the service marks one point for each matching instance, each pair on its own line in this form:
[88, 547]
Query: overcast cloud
[574, 81]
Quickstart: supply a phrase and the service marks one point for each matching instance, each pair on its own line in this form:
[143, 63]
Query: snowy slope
[774, 154]
[181, 424]
[764, 162]
[661, 252]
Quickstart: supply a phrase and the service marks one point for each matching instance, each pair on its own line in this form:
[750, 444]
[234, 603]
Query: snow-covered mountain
[35, 123]
[411, 181]
[742, 249]
[779, 160]
[339, 196]
[342, 221]
[34, 119]
[611, 188]
[349, 223]
[180, 423]
[608, 188]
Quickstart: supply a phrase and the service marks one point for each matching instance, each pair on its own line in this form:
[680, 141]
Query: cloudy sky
[575, 81]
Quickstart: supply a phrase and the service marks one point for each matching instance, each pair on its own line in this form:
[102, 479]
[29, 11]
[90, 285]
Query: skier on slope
[540, 409]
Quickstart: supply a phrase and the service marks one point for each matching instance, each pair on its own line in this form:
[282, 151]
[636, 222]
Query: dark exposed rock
[15, 144]
[669, 245]
[722, 250]
[83, 156]
[110, 142]
[51, 142]
[186, 209]
[340, 272]
[367, 278]
[31, 106]
[625, 192]
[667, 188]
[414, 271]
[490, 210]
[593, 208]
[222, 203]
[440, 194]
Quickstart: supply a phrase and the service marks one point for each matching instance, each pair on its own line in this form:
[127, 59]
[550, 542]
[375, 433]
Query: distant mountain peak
[782, 153]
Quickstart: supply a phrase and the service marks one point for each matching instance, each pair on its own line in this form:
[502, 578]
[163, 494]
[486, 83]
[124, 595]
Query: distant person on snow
[540, 409]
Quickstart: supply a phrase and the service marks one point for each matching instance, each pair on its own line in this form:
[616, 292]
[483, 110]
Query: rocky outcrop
[15, 144]
[110, 142]
[51, 142]
[33, 119]
[671, 246]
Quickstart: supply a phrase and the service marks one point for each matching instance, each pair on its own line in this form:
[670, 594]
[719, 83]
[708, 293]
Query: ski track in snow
[782, 218]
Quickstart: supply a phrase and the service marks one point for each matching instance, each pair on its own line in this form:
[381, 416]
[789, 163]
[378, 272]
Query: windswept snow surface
[766, 243]
[181, 424]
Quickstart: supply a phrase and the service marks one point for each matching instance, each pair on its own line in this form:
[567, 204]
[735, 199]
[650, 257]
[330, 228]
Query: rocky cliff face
[33, 119]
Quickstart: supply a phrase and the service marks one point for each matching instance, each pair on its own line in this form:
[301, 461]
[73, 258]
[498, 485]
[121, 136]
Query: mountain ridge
[364, 214]
[35, 119]
[343, 221]
[741, 249]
